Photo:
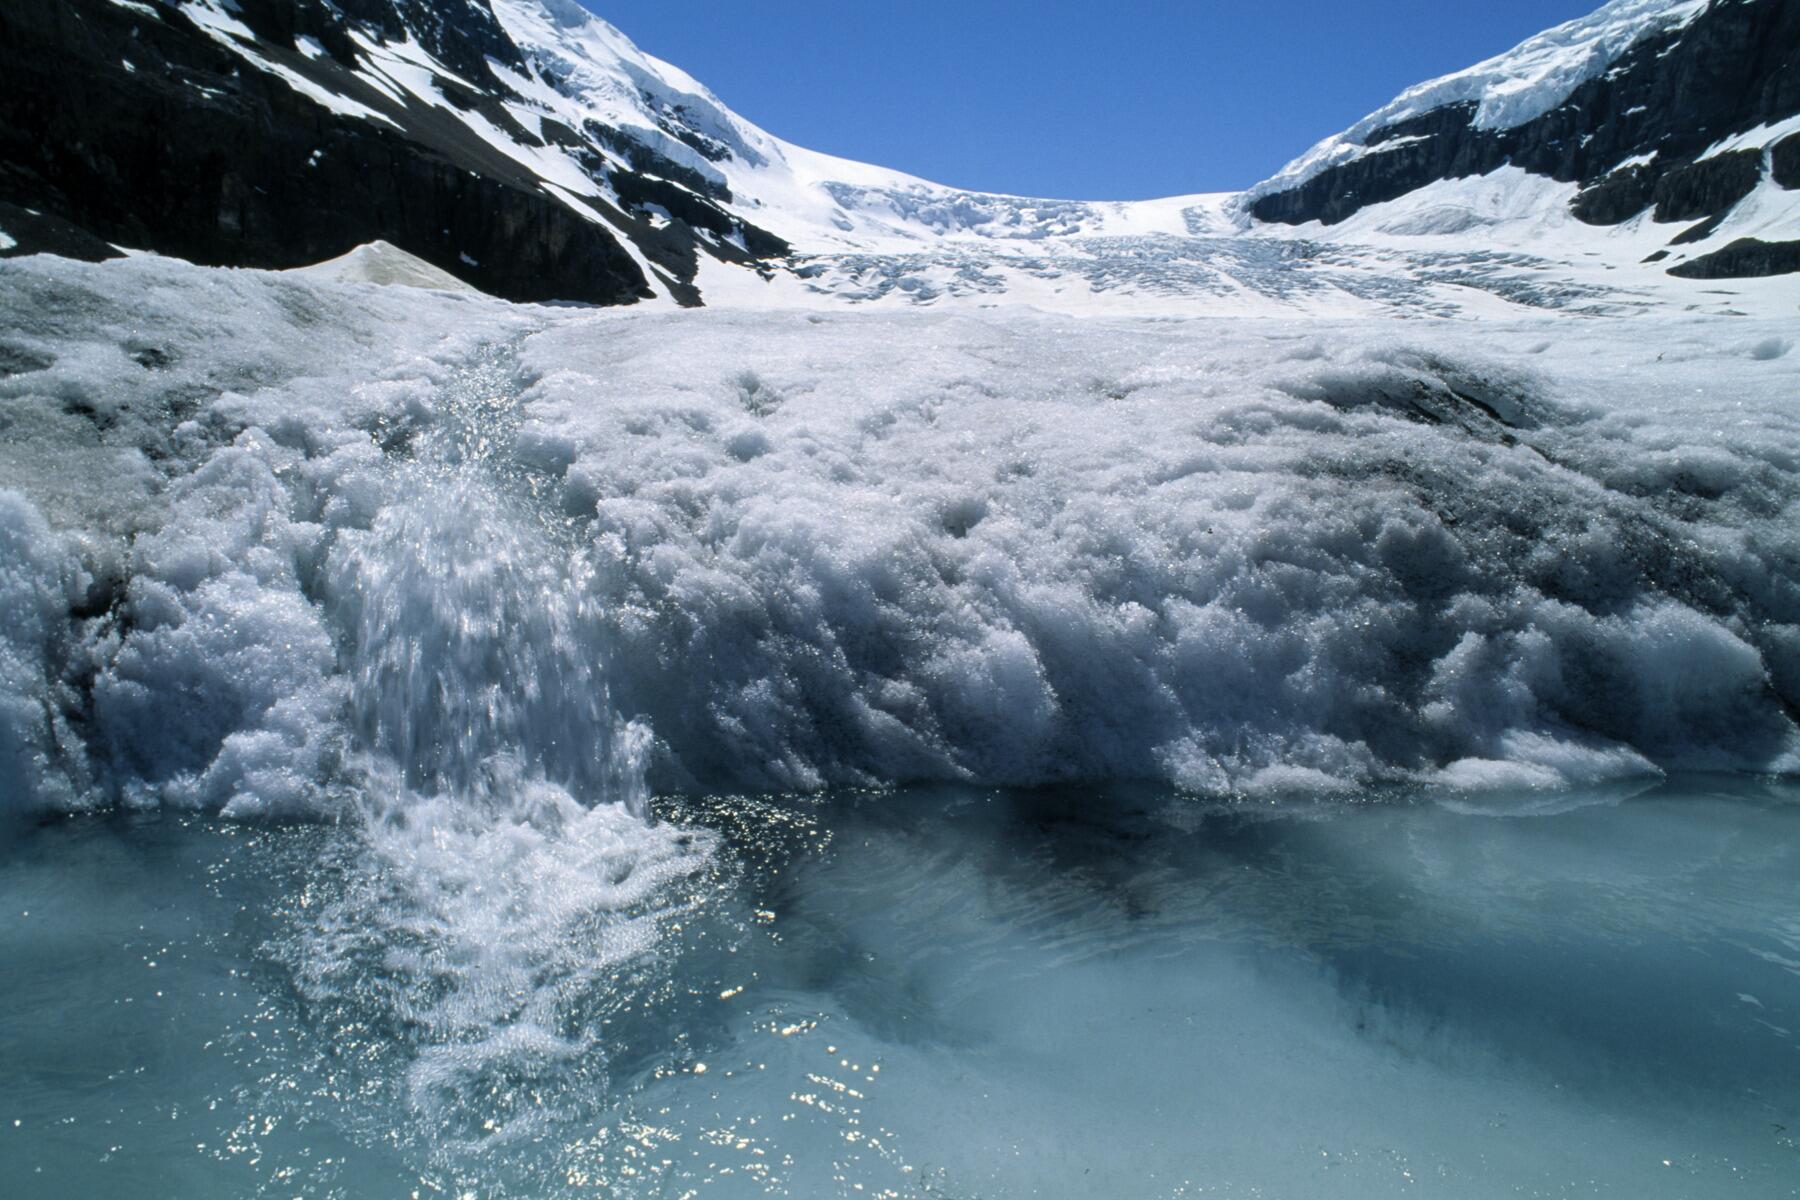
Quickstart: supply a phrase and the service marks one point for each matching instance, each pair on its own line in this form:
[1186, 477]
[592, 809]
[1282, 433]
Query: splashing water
[506, 879]
[472, 957]
[475, 644]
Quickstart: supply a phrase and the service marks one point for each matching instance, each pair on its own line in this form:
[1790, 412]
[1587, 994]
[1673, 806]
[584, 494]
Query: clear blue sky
[1123, 100]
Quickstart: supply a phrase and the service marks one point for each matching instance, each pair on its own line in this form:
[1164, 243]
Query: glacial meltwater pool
[931, 992]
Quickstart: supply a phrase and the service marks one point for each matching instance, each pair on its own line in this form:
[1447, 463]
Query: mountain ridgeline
[528, 149]
[270, 142]
[1640, 137]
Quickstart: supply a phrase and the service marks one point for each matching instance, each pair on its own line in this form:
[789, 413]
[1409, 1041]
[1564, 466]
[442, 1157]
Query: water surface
[931, 992]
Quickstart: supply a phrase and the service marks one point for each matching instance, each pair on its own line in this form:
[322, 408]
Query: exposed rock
[1707, 188]
[1784, 162]
[1617, 197]
[1663, 104]
[1698, 233]
[1746, 258]
[135, 127]
[32, 232]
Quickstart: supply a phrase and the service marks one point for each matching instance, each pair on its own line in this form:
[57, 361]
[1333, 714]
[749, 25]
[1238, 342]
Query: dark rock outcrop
[1784, 162]
[135, 127]
[34, 232]
[1746, 258]
[1707, 188]
[1667, 100]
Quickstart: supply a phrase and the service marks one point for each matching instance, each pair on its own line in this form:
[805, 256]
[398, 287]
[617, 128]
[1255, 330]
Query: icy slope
[1260, 557]
[524, 146]
[383, 264]
[1480, 239]
[1507, 90]
[1671, 126]
[529, 148]
[815, 201]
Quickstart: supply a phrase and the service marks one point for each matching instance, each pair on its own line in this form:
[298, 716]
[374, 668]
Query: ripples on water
[924, 993]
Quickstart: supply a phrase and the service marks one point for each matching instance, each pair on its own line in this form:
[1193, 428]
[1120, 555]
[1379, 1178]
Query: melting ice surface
[1348, 674]
[260, 531]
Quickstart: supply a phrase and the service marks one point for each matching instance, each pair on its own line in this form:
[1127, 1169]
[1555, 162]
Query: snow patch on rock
[1509, 89]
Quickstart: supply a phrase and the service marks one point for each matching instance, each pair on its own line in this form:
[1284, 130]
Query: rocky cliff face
[268, 133]
[1648, 133]
[529, 149]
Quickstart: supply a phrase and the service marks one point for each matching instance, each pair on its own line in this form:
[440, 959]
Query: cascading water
[506, 877]
[474, 642]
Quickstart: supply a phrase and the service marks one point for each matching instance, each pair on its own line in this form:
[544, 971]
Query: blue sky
[1123, 100]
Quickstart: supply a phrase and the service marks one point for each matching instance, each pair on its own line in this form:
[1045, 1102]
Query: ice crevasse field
[453, 748]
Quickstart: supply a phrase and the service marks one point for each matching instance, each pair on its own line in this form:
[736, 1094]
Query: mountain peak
[533, 150]
[1507, 90]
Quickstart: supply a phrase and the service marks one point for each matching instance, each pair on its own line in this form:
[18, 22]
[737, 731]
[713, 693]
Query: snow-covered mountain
[1683, 110]
[280, 132]
[529, 148]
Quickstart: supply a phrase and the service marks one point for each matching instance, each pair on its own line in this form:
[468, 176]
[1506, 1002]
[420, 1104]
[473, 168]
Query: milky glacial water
[937, 992]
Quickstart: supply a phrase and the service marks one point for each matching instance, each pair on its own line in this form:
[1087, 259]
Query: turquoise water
[934, 993]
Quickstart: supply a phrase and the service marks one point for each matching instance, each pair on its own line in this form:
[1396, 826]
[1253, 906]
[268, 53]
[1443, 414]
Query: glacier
[1251, 556]
[1015, 697]
[675, 200]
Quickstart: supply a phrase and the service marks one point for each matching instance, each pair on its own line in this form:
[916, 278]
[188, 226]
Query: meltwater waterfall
[474, 642]
[506, 875]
